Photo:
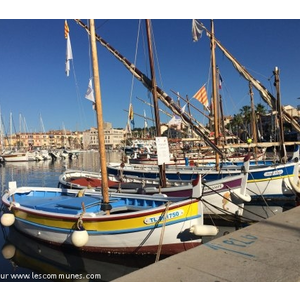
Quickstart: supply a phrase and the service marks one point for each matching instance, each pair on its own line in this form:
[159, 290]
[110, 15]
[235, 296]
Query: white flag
[197, 30]
[69, 54]
[176, 120]
[145, 121]
[128, 128]
[89, 95]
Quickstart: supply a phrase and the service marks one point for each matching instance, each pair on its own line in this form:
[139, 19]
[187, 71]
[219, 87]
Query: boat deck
[63, 203]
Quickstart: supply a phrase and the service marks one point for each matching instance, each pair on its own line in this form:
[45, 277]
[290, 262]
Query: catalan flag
[67, 30]
[201, 96]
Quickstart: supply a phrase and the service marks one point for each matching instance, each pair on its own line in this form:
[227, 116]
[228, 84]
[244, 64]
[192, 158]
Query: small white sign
[163, 153]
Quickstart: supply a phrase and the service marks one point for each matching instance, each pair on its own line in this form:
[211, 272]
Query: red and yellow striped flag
[201, 96]
[67, 30]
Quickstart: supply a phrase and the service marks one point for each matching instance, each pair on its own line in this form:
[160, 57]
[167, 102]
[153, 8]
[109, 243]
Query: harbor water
[26, 260]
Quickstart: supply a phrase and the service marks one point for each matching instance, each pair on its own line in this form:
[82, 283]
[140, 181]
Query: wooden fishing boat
[277, 181]
[196, 158]
[224, 196]
[132, 224]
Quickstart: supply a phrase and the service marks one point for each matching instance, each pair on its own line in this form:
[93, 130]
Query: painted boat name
[159, 218]
[273, 173]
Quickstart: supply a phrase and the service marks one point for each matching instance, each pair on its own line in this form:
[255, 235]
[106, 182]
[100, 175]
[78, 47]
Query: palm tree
[236, 124]
[246, 113]
[260, 110]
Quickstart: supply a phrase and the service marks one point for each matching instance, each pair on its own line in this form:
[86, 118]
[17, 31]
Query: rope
[80, 221]
[79, 224]
[162, 232]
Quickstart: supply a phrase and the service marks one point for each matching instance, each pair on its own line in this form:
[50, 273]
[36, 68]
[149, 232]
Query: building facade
[57, 139]
[113, 138]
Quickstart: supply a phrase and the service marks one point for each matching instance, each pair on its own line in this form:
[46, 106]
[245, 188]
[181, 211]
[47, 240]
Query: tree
[260, 111]
[246, 114]
[236, 124]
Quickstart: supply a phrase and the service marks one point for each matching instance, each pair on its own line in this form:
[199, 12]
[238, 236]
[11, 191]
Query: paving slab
[267, 251]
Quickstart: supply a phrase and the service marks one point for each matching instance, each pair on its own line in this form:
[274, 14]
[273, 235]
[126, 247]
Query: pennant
[130, 114]
[69, 54]
[197, 30]
[89, 95]
[220, 81]
[201, 96]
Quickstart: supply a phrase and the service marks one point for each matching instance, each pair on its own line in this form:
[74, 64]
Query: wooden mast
[280, 118]
[155, 100]
[104, 179]
[214, 86]
[163, 96]
[253, 121]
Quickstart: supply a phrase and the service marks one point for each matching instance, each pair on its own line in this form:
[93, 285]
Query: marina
[25, 259]
[96, 234]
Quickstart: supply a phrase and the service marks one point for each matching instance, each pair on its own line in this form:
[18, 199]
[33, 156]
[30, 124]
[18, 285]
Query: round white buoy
[79, 238]
[8, 251]
[7, 219]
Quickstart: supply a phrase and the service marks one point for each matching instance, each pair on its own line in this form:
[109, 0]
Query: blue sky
[33, 83]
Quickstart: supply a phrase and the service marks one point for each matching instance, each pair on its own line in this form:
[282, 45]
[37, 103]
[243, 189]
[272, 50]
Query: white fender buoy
[7, 219]
[79, 238]
[295, 186]
[204, 230]
[8, 251]
[241, 197]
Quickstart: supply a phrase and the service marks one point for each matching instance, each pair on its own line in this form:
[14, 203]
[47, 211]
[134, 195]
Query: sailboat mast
[214, 91]
[162, 95]
[155, 100]
[253, 120]
[280, 117]
[98, 103]
[153, 79]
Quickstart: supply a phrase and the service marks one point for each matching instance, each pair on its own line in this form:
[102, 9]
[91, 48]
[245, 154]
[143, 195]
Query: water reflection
[31, 260]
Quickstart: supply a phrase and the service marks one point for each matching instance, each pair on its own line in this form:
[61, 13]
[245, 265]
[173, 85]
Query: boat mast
[283, 154]
[253, 120]
[222, 123]
[101, 141]
[214, 86]
[153, 79]
[155, 101]
[162, 95]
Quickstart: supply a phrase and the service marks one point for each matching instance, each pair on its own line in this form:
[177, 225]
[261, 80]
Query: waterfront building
[113, 138]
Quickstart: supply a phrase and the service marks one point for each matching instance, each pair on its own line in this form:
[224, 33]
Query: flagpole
[101, 140]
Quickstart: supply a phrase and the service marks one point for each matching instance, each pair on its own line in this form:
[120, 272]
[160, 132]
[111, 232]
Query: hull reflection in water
[49, 263]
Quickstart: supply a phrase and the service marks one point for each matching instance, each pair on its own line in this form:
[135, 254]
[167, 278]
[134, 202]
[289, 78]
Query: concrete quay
[268, 251]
